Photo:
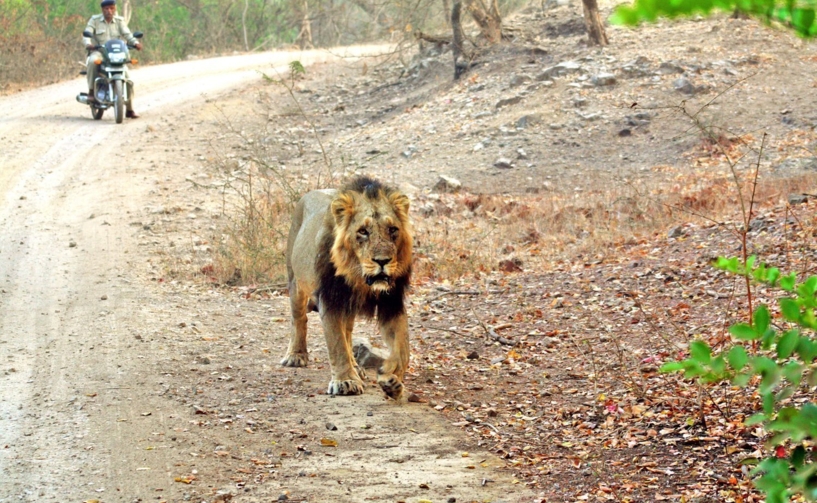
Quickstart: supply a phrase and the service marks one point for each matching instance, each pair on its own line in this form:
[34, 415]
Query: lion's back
[305, 234]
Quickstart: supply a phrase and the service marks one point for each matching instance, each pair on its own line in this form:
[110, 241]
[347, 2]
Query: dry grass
[459, 235]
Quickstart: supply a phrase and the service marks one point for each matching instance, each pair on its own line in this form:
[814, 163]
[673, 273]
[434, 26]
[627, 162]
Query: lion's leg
[391, 373]
[297, 355]
[350, 327]
[345, 379]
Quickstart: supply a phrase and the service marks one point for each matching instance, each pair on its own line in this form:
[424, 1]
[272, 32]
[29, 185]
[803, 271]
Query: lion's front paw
[390, 385]
[350, 387]
[295, 360]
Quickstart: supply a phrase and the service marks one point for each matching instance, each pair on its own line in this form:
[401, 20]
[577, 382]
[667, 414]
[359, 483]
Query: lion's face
[373, 243]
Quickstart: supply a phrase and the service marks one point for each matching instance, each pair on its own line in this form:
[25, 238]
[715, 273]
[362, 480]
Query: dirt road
[120, 385]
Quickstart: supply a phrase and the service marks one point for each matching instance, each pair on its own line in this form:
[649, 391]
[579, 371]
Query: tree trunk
[488, 18]
[446, 9]
[304, 38]
[595, 26]
[126, 11]
[457, 49]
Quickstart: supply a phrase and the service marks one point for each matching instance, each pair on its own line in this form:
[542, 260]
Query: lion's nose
[382, 261]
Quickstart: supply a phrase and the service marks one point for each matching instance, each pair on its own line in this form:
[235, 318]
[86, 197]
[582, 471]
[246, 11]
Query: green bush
[776, 359]
[799, 16]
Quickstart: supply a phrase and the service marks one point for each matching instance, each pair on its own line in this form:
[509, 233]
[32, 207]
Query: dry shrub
[465, 234]
[252, 243]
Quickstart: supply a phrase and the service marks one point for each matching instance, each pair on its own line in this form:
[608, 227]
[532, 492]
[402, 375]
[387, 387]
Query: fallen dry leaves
[556, 371]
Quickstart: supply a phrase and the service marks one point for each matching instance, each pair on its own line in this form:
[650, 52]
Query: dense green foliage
[797, 15]
[775, 357]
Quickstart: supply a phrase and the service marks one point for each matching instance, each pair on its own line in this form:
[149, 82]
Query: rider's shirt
[103, 31]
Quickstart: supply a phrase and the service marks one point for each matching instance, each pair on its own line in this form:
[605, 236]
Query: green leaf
[772, 276]
[768, 403]
[699, 351]
[787, 344]
[793, 372]
[295, 68]
[744, 332]
[742, 379]
[790, 310]
[737, 357]
[761, 318]
[807, 349]
[750, 263]
[671, 367]
[756, 419]
[788, 282]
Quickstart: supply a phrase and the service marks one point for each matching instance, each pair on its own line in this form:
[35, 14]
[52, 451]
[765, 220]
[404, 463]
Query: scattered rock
[447, 184]
[518, 80]
[676, 232]
[559, 70]
[668, 68]
[603, 79]
[528, 120]
[508, 101]
[684, 86]
[503, 163]
[799, 198]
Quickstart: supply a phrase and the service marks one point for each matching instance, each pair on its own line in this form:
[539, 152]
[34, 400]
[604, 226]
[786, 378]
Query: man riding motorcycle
[104, 27]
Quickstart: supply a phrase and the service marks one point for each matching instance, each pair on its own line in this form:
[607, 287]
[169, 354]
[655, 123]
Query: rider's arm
[126, 34]
[89, 42]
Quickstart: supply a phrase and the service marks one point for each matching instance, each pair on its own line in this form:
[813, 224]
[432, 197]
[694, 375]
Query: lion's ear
[343, 208]
[401, 205]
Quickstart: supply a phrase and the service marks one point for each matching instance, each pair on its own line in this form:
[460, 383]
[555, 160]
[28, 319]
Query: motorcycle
[111, 85]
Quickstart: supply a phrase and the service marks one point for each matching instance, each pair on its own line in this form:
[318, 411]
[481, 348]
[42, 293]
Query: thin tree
[595, 26]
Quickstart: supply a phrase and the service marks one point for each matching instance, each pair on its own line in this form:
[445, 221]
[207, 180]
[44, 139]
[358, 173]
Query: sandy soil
[117, 385]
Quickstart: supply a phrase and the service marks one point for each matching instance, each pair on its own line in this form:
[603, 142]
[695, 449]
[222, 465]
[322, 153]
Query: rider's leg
[91, 67]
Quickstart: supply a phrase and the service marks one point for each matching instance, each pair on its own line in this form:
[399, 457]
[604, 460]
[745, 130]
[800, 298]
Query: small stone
[669, 67]
[415, 398]
[447, 184]
[104, 297]
[72, 244]
[684, 86]
[603, 79]
[798, 198]
[508, 101]
[473, 355]
[331, 427]
[518, 80]
[528, 120]
[503, 163]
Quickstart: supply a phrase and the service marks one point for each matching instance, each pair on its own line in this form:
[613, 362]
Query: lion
[349, 254]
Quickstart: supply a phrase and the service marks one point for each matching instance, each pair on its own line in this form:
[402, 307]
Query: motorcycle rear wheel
[118, 102]
[96, 113]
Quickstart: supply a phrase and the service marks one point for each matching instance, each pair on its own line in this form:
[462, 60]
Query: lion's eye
[363, 232]
[393, 231]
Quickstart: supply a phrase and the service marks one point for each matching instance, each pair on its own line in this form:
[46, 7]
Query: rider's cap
[106, 3]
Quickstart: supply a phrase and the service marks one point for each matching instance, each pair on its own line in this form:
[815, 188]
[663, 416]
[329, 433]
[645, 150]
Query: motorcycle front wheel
[118, 102]
[97, 112]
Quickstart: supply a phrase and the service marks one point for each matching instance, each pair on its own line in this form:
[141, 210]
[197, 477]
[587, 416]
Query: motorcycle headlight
[117, 57]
